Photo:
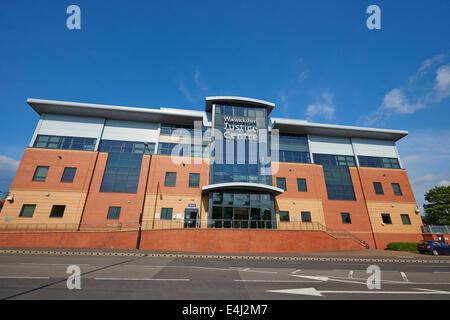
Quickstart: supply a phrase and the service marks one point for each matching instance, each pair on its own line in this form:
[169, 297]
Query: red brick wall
[244, 241]
[117, 240]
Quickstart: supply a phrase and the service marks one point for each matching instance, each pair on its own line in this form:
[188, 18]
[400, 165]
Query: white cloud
[419, 93]
[325, 110]
[196, 92]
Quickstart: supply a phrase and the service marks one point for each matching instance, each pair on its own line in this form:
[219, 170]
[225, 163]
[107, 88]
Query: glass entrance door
[190, 218]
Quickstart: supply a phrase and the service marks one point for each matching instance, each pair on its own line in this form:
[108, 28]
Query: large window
[168, 129]
[184, 150]
[378, 188]
[57, 211]
[337, 175]
[171, 179]
[41, 173]
[68, 174]
[378, 162]
[123, 166]
[27, 211]
[396, 189]
[293, 148]
[281, 183]
[68, 143]
[194, 180]
[113, 213]
[301, 185]
[166, 213]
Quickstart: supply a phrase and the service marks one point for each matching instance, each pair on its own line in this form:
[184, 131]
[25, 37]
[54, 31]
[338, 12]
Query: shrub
[402, 246]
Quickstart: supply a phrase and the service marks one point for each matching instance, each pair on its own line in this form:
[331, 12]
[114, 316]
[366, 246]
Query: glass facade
[337, 175]
[241, 210]
[293, 148]
[68, 143]
[123, 166]
[237, 157]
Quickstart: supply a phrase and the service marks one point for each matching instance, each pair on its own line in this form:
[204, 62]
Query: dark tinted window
[166, 213]
[284, 216]
[68, 143]
[378, 188]
[27, 210]
[194, 180]
[346, 218]
[40, 174]
[306, 216]
[386, 217]
[397, 190]
[301, 185]
[171, 179]
[378, 162]
[113, 213]
[405, 219]
[281, 183]
[57, 211]
[68, 174]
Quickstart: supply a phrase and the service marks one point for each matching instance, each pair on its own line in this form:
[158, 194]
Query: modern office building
[229, 167]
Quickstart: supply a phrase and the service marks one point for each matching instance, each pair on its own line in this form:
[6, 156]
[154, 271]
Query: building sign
[192, 205]
[240, 128]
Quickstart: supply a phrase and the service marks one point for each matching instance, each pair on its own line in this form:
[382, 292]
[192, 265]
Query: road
[24, 276]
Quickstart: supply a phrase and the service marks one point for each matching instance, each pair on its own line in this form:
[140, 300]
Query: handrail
[173, 224]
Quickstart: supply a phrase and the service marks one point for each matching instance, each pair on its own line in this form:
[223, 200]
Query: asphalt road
[105, 277]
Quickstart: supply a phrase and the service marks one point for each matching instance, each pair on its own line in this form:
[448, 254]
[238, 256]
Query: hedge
[402, 246]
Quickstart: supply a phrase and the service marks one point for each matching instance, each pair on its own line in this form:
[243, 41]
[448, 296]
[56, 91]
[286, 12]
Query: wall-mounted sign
[192, 205]
[240, 128]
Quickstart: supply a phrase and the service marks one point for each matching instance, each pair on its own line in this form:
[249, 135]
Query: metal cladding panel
[71, 126]
[330, 145]
[130, 131]
[374, 148]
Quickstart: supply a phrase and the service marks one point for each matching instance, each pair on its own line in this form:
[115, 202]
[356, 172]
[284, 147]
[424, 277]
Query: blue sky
[316, 60]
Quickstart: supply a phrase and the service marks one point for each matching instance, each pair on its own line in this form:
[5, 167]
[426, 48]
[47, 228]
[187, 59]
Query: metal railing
[436, 229]
[174, 224]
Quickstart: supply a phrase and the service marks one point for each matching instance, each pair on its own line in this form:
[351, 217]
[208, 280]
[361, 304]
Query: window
[334, 160]
[66, 143]
[194, 180]
[378, 188]
[171, 179]
[346, 218]
[284, 216]
[386, 217]
[113, 213]
[378, 162]
[396, 188]
[306, 216]
[301, 185]
[166, 213]
[281, 183]
[68, 174]
[27, 210]
[57, 211]
[123, 166]
[405, 219]
[40, 174]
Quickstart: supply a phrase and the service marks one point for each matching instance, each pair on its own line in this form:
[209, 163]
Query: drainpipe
[138, 243]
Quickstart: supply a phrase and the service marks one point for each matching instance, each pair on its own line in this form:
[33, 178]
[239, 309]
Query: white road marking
[19, 277]
[294, 272]
[317, 293]
[350, 274]
[405, 278]
[288, 281]
[135, 279]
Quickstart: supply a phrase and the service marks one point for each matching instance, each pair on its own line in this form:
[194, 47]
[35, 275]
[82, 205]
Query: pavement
[34, 274]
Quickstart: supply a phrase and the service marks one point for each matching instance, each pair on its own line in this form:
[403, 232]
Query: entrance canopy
[242, 186]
